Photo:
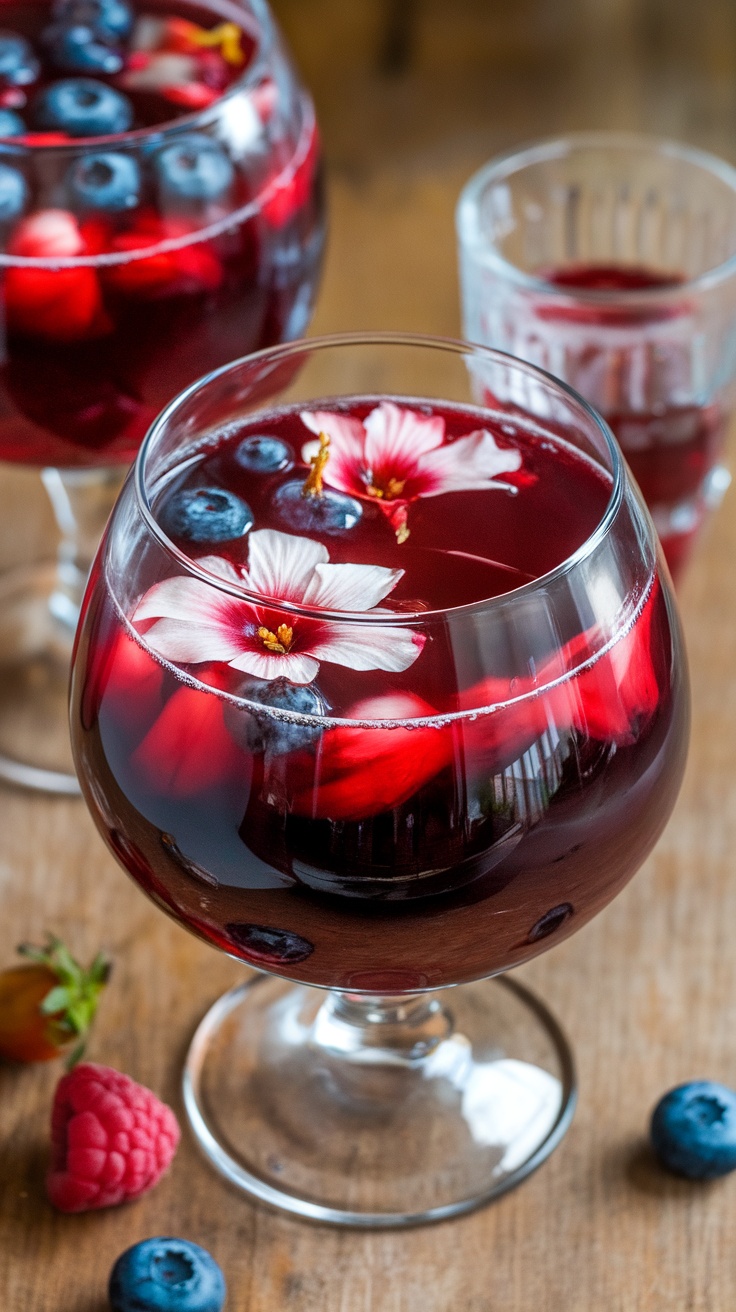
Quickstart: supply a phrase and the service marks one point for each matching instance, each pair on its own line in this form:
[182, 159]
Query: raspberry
[112, 1139]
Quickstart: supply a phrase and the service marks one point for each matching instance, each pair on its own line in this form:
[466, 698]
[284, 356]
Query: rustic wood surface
[412, 97]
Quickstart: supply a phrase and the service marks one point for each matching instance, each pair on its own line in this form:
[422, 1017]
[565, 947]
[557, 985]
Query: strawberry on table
[111, 1140]
[48, 1004]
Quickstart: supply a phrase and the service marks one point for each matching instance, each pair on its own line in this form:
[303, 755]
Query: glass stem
[82, 500]
[401, 1029]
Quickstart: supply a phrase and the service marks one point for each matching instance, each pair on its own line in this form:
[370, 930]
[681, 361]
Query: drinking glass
[609, 259]
[120, 313]
[395, 828]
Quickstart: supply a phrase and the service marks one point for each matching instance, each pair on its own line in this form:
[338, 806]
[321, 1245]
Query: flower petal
[365, 647]
[181, 640]
[184, 598]
[297, 667]
[350, 587]
[344, 469]
[280, 565]
[470, 462]
[397, 437]
[219, 565]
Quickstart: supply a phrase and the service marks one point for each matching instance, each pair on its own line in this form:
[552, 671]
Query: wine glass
[112, 308]
[610, 259]
[379, 688]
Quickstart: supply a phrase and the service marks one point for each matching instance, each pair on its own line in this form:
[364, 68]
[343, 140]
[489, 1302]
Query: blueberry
[77, 48]
[18, 64]
[111, 19]
[550, 922]
[263, 731]
[263, 455]
[206, 514]
[272, 946]
[11, 124]
[166, 1275]
[104, 182]
[13, 194]
[693, 1130]
[194, 168]
[329, 512]
[83, 108]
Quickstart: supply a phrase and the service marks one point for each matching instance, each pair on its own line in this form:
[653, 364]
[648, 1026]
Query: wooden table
[411, 102]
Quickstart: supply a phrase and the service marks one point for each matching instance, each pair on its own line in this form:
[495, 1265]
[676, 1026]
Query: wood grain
[648, 990]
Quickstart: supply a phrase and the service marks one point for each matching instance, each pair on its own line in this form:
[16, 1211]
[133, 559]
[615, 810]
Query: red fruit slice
[291, 191]
[43, 138]
[64, 305]
[133, 684]
[188, 748]
[190, 95]
[186, 269]
[47, 233]
[361, 772]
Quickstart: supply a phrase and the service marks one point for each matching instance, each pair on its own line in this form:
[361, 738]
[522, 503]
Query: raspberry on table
[111, 1139]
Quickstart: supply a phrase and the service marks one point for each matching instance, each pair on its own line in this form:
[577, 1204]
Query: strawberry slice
[189, 95]
[63, 305]
[362, 772]
[186, 269]
[291, 191]
[188, 748]
[47, 233]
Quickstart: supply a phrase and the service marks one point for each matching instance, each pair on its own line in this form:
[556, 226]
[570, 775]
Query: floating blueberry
[263, 455]
[193, 169]
[11, 124]
[206, 514]
[77, 48]
[18, 64]
[111, 19]
[550, 922]
[266, 732]
[166, 1275]
[13, 194]
[83, 108]
[272, 946]
[693, 1130]
[327, 512]
[104, 182]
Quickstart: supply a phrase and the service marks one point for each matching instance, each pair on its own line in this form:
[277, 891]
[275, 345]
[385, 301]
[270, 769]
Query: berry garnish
[18, 64]
[206, 514]
[263, 455]
[11, 124]
[47, 234]
[266, 732]
[48, 1004]
[13, 193]
[76, 48]
[110, 18]
[109, 182]
[111, 1139]
[83, 108]
[329, 512]
[166, 1275]
[269, 946]
[550, 922]
[693, 1130]
[193, 169]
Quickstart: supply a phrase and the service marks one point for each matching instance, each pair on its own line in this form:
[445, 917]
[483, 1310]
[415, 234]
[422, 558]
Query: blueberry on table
[18, 64]
[693, 1130]
[11, 124]
[263, 455]
[328, 512]
[82, 107]
[13, 194]
[206, 514]
[193, 169]
[265, 731]
[107, 182]
[166, 1275]
[111, 19]
[77, 48]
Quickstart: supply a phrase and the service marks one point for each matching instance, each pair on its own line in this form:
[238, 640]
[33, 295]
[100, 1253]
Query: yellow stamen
[313, 482]
[402, 533]
[225, 35]
[391, 492]
[278, 642]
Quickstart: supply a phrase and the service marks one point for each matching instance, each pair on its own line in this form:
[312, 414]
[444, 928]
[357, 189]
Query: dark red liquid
[92, 352]
[671, 448]
[377, 856]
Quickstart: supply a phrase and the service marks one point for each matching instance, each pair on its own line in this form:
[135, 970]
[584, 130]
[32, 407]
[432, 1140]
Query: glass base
[35, 653]
[377, 1112]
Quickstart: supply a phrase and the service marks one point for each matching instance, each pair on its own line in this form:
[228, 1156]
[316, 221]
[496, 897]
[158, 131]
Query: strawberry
[48, 1004]
[188, 748]
[111, 1140]
[189, 95]
[60, 304]
[45, 234]
[190, 268]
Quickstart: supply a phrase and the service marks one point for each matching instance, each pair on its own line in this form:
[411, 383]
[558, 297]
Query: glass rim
[549, 148]
[262, 31]
[309, 346]
[108, 259]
